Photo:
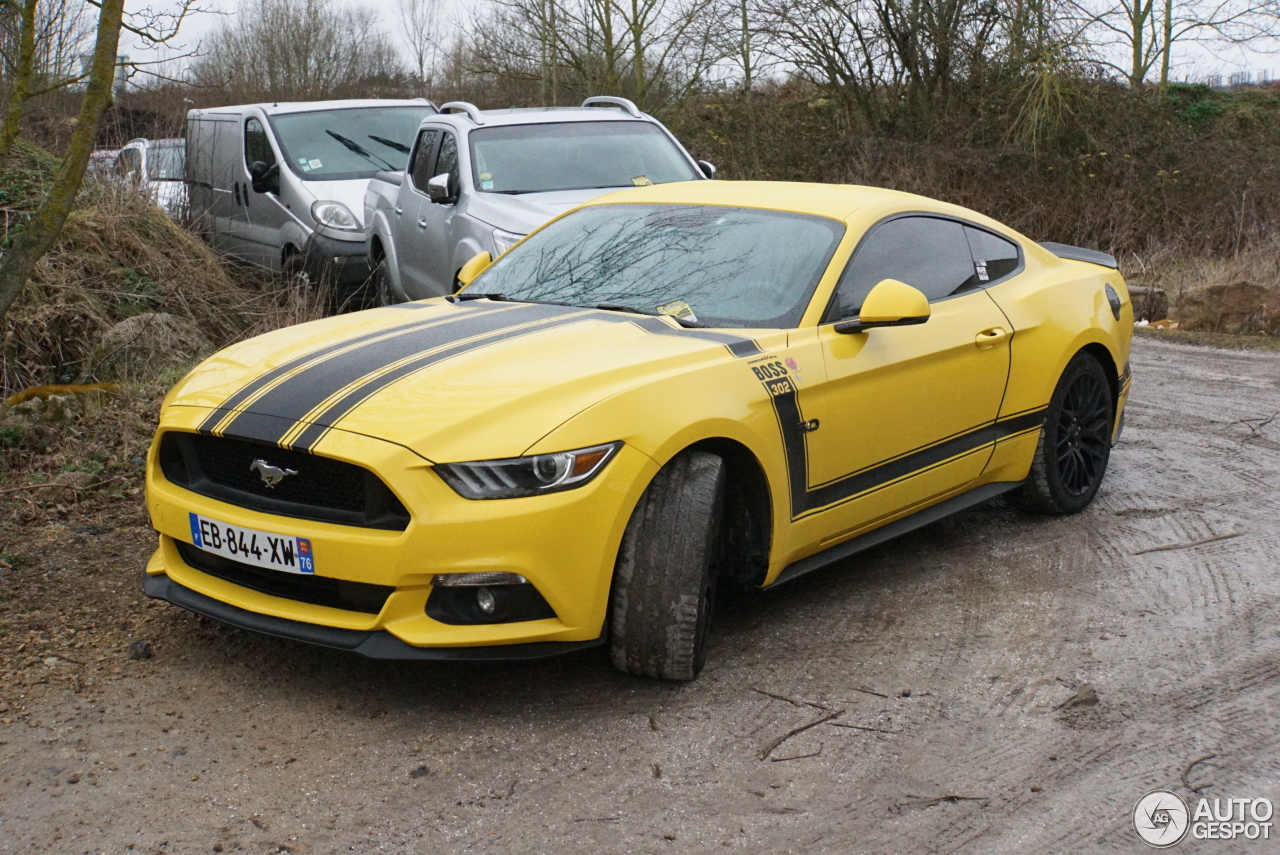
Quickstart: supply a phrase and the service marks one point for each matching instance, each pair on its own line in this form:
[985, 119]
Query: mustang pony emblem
[270, 475]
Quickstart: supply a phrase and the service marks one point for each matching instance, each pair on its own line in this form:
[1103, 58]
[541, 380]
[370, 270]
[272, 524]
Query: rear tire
[665, 579]
[1075, 443]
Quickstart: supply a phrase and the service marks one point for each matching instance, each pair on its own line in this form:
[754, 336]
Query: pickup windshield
[336, 145]
[706, 265]
[574, 156]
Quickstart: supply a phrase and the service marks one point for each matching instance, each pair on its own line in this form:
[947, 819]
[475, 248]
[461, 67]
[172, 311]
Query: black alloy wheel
[1075, 442]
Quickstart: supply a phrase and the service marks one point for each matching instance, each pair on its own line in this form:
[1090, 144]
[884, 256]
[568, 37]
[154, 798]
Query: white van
[281, 186]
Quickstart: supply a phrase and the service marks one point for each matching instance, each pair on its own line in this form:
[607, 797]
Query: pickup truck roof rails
[472, 111]
[610, 101]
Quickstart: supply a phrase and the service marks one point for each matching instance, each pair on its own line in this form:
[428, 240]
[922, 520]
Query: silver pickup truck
[480, 181]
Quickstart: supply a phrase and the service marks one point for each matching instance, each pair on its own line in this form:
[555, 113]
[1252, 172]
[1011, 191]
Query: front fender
[380, 231]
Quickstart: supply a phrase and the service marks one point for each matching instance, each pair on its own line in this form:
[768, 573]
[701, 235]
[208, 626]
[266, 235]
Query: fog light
[484, 599]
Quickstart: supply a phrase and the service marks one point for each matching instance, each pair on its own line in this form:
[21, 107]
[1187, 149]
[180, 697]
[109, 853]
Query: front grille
[317, 590]
[322, 489]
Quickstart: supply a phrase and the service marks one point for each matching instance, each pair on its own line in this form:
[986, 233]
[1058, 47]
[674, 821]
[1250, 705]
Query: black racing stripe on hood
[293, 398]
[315, 431]
[263, 380]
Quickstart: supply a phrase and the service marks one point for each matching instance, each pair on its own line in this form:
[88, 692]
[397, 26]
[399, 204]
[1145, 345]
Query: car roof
[837, 201]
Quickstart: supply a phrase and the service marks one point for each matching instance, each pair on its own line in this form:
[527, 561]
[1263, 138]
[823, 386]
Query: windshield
[574, 156]
[335, 145]
[167, 162]
[713, 266]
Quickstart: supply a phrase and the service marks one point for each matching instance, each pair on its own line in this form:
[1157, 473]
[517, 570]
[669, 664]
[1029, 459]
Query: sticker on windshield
[302, 161]
[641, 181]
[485, 176]
[314, 164]
[678, 309]
[486, 185]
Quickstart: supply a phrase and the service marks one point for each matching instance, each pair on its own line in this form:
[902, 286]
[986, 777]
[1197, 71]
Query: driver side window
[424, 154]
[256, 145]
[447, 161]
[928, 253]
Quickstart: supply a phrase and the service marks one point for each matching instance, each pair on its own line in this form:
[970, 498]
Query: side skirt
[919, 519]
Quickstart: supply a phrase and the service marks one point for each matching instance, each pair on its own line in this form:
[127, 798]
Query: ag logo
[1161, 818]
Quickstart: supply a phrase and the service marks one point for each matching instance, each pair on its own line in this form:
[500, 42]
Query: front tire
[1075, 443]
[384, 293]
[664, 583]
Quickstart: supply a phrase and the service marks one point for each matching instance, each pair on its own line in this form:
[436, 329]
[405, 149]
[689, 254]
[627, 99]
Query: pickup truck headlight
[504, 240]
[335, 215]
[527, 476]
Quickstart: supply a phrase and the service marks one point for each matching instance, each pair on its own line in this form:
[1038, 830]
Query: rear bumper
[375, 644]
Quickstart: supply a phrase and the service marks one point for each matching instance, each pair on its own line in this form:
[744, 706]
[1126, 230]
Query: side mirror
[473, 268]
[439, 190]
[708, 168]
[262, 177]
[890, 304]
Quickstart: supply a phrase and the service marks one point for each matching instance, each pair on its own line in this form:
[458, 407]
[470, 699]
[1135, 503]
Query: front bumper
[343, 264]
[375, 644]
[565, 544]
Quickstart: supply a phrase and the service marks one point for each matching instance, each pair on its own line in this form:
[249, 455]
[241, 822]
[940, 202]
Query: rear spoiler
[1076, 253]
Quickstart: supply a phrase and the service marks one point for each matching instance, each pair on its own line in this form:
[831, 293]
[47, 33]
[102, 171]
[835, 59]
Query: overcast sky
[1191, 61]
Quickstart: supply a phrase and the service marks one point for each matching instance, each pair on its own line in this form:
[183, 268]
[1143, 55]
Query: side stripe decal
[806, 500]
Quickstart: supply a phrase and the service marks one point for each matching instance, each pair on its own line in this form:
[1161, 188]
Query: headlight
[527, 476]
[504, 240]
[335, 215]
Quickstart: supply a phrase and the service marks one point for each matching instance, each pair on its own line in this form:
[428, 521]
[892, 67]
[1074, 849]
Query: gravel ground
[997, 683]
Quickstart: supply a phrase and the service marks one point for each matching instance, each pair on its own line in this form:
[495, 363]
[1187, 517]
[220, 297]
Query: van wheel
[1075, 443]
[664, 582]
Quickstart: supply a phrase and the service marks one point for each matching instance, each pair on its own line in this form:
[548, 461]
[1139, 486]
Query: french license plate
[248, 546]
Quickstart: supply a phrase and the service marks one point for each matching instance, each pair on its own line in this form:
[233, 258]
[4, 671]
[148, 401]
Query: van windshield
[338, 145]
[574, 156]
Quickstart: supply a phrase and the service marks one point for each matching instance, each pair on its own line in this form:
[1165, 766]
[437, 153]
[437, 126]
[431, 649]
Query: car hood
[452, 382]
[524, 213]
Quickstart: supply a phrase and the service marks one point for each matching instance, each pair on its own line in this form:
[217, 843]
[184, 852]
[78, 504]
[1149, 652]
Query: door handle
[993, 336]
[399, 210]
[422, 224]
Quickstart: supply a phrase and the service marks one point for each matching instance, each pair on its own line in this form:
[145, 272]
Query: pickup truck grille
[321, 488]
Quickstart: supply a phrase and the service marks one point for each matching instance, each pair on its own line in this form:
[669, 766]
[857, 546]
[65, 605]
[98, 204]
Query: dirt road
[959, 662]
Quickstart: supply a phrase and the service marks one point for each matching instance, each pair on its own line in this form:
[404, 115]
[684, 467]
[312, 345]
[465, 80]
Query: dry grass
[1179, 275]
[121, 257]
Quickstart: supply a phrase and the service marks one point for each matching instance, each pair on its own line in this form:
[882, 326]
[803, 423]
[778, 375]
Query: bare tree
[420, 30]
[41, 42]
[295, 50]
[1146, 32]
[40, 233]
[653, 51]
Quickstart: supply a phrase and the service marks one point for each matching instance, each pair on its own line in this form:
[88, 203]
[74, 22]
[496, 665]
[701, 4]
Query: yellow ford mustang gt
[664, 390]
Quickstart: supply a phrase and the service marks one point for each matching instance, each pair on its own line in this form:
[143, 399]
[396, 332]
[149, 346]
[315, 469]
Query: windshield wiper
[390, 143]
[354, 146]
[618, 307]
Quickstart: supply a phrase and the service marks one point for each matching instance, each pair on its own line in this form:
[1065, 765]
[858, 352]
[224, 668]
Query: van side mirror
[890, 304]
[439, 190]
[708, 168]
[263, 178]
[473, 268]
